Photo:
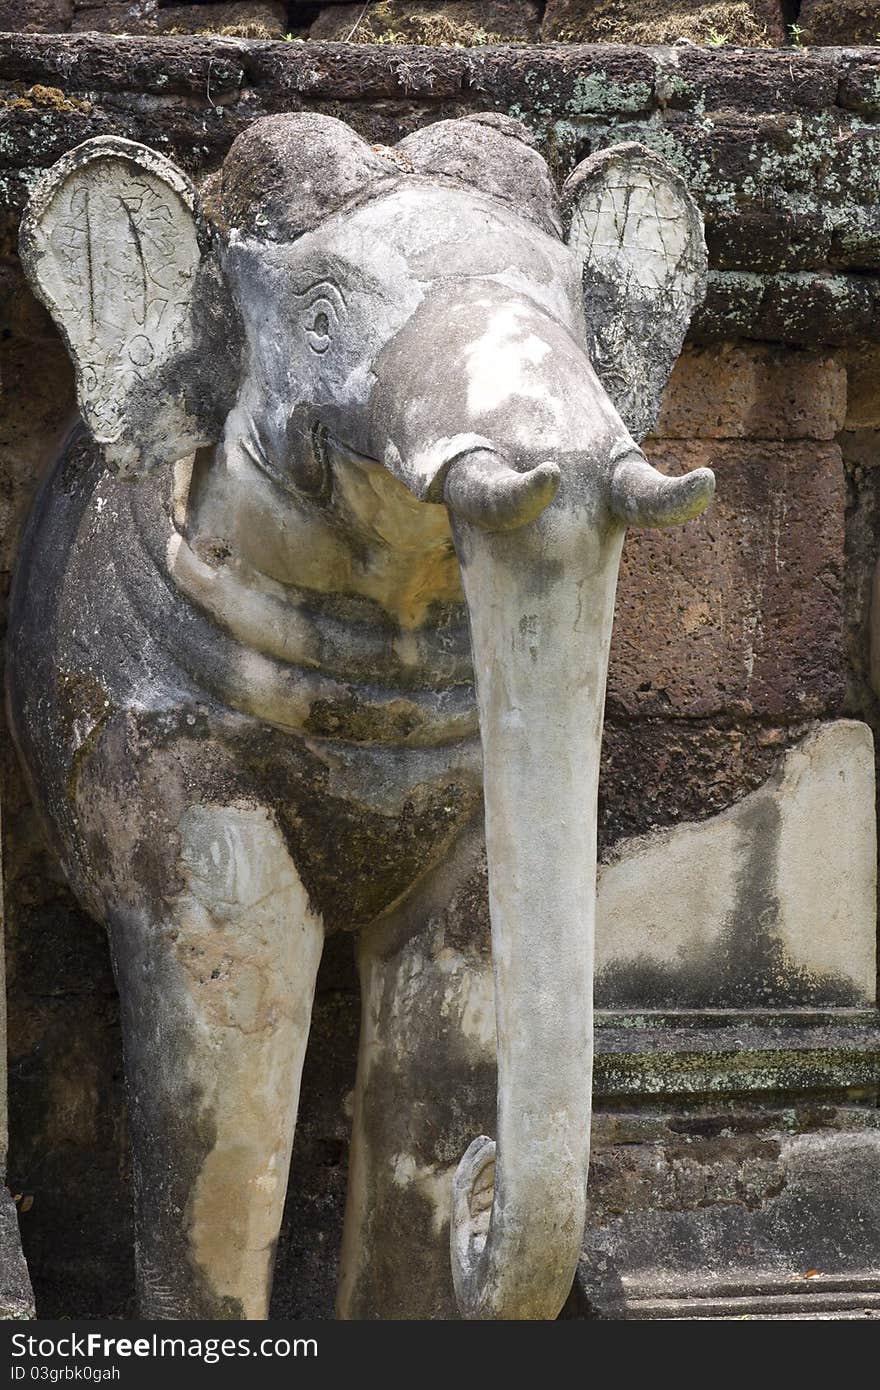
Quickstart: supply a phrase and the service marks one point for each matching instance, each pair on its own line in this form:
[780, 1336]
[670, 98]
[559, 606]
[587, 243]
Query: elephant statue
[310, 634]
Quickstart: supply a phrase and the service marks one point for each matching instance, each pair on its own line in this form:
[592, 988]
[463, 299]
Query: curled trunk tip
[642, 496]
[472, 1196]
[482, 488]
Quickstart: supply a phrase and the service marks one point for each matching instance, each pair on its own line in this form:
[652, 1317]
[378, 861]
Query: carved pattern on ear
[639, 235]
[113, 245]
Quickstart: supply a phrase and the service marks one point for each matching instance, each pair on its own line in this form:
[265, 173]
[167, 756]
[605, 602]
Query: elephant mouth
[327, 668]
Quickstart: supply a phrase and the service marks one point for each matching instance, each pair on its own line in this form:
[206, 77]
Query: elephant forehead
[420, 233]
[419, 218]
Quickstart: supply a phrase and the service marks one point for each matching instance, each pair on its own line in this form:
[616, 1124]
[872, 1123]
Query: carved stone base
[734, 1215]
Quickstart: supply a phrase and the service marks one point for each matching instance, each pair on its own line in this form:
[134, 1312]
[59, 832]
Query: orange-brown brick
[745, 390]
[863, 404]
[739, 612]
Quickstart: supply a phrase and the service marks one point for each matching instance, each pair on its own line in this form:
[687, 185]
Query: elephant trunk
[540, 602]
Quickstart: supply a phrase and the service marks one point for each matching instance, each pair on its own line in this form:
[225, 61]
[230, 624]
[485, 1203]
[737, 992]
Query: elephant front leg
[425, 1085]
[216, 1002]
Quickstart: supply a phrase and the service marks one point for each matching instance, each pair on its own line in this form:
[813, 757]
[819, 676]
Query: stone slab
[729, 1054]
[734, 1224]
[772, 903]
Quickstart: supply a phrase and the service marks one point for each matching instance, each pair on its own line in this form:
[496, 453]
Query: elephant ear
[113, 244]
[639, 236]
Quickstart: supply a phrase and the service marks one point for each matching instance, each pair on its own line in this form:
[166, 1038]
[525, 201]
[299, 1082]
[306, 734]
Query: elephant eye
[318, 324]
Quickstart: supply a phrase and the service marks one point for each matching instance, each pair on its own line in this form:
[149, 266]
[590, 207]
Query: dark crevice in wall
[300, 17]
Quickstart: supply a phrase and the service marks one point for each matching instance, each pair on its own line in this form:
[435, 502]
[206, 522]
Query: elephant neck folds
[327, 666]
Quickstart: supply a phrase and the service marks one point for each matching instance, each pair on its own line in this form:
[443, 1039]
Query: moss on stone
[456, 24]
[254, 30]
[50, 98]
[738, 23]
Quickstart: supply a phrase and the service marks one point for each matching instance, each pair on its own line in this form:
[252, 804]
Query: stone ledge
[752, 1221]
[623, 80]
[653, 1056]
[764, 1297]
[779, 147]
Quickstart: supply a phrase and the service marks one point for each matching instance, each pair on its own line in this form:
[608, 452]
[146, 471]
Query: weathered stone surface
[741, 23]
[839, 22]
[68, 1154]
[657, 772]
[787, 179]
[16, 1295]
[573, 80]
[734, 1220]
[65, 1093]
[441, 23]
[727, 80]
[36, 16]
[860, 448]
[172, 67]
[859, 86]
[799, 309]
[643, 292]
[742, 610]
[144, 277]
[311, 1233]
[728, 1054]
[126, 17]
[863, 389]
[772, 903]
[118, 727]
[773, 187]
[39, 408]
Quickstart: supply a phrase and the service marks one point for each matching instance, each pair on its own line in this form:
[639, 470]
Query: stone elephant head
[327, 310]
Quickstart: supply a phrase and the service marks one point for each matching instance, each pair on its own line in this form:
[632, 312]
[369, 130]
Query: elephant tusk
[482, 488]
[642, 496]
